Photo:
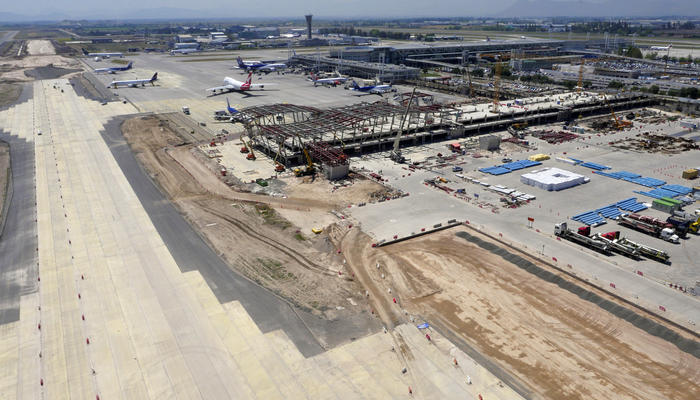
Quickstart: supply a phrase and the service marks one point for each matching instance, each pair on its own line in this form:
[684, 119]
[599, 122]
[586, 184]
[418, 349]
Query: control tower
[308, 25]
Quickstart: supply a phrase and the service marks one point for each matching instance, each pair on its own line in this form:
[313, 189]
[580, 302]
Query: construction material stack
[611, 239]
[646, 251]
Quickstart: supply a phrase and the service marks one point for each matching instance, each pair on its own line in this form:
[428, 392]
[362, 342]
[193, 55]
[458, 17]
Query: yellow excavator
[310, 168]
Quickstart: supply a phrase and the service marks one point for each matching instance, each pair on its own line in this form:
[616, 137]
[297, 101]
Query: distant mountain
[606, 8]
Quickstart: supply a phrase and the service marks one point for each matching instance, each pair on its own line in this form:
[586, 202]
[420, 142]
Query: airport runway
[18, 239]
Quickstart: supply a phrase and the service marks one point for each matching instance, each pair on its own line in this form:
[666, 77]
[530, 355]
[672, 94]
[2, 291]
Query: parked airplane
[104, 55]
[335, 81]
[258, 66]
[184, 51]
[134, 82]
[372, 89]
[114, 70]
[231, 84]
[661, 48]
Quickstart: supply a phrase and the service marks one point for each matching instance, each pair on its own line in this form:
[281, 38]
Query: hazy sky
[113, 9]
[264, 8]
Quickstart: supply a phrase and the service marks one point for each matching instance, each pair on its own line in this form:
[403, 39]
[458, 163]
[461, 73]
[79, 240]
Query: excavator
[310, 168]
[619, 124]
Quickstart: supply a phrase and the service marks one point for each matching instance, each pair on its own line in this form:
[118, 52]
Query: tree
[634, 52]
[478, 72]
[654, 89]
[651, 56]
[616, 85]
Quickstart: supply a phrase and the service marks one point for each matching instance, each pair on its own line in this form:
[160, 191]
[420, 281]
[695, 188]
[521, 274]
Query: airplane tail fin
[129, 65]
[313, 76]
[240, 62]
[154, 77]
[250, 77]
[84, 51]
[355, 85]
[230, 109]
[294, 52]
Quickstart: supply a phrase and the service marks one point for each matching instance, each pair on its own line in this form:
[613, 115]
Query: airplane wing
[225, 87]
[259, 86]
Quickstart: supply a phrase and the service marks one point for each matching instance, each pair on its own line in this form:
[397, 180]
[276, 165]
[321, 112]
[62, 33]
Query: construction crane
[496, 83]
[579, 88]
[395, 153]
[469, 77]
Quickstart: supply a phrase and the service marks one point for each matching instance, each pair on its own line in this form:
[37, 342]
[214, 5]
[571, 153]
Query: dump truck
[666, 234]
[581, 237]
[646, 251]
[610, 238]
[185, 110]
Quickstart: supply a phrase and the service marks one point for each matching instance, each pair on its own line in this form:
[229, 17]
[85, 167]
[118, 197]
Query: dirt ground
[40, 47]
[13, 68]
[561, 346]
[9, 92]
[4, 171]
[249, 234]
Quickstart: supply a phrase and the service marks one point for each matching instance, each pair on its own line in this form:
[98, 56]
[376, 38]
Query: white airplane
[372, 89]
[258, 66]
[231, 84]
[114, 70]
[103, 55]
[661, 48]
[335, 81]
[184, 51]
[134, 82]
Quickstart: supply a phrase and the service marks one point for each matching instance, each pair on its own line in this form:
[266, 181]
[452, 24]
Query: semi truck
[649, 228]
[581, 237]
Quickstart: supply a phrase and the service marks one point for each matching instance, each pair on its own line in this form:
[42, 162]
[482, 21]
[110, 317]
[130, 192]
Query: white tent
[552, 179]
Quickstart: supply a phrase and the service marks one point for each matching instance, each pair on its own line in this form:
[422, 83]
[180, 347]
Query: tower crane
[496, 84]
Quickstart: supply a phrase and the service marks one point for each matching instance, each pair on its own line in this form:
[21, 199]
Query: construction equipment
[310, 168]
[496, 84]
[619, 124]
[581, 237]
[469, 77]
[579, 88]
[395, 153]
[649, 228]
[610, 238]
[646, 251]
[251, 155]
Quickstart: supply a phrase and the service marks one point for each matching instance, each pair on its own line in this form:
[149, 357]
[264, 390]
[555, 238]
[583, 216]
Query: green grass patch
[274, 269]
[271, 217]
[299, 236]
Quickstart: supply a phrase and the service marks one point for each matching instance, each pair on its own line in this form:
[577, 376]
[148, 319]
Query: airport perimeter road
[18, 238]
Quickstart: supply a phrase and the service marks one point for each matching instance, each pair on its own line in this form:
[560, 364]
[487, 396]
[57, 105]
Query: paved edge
[18, 238]
[689, 346]
[191, 252]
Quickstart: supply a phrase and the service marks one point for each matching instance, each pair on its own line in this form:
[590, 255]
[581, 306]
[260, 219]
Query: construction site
[319, 242]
